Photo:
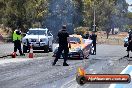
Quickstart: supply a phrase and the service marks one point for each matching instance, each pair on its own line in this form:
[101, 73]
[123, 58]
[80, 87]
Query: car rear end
[73, 54]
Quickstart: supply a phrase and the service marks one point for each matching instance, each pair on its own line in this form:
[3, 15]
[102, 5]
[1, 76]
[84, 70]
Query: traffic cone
[31, 52]
[13, 55]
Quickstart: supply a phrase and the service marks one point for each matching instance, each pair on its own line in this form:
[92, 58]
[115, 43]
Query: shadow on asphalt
[57, 65]
[38, 52]
[73, 59]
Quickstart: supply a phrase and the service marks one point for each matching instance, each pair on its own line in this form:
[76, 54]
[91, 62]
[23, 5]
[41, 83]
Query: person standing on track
[93, 37]
[129, 48]
[17, 41]
[63, 36]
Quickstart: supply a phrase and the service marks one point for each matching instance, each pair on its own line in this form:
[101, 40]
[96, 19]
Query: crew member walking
[93, 37]
[17, 41]
[63, 45]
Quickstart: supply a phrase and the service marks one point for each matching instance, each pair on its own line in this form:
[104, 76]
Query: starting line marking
[127, 70]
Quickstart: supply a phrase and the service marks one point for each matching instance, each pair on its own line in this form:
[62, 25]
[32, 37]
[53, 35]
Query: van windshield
[37, 32]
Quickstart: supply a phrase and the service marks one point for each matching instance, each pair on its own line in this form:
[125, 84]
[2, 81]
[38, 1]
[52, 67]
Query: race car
[80, 48]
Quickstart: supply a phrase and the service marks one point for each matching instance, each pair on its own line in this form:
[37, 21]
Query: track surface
[39, 73]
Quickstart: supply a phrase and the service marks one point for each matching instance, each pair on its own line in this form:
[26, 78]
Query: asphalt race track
[39, 73]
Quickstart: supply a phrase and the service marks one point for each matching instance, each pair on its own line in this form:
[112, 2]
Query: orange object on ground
[31, 52]
[13, 55]
[81, 71]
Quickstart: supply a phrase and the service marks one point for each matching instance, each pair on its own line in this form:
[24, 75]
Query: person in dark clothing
[87, 35]
[63, 45]
[129, 48]
[28, 45]
[93, 37]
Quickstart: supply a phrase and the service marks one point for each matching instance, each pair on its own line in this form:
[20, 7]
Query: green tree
[22, 13]
[105, 11]
[129, 26]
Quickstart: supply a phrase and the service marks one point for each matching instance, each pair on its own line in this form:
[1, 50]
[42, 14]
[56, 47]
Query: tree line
[22, 13]
[108, 14]
[31, 13]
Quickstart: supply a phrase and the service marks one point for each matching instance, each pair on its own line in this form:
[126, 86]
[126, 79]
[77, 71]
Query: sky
[130, 3]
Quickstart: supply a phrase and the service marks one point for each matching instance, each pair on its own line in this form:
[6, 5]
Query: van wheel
[46, 49]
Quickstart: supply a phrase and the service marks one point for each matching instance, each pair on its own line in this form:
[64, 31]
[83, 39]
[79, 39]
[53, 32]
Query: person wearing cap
[63, 38]
[129, 48]
[93, 37]
[17, 41]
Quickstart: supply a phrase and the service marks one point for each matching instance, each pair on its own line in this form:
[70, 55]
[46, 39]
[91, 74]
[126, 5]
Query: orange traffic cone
[13, 55]
[31, 52]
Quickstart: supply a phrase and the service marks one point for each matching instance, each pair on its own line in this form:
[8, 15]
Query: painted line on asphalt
[127, 70]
